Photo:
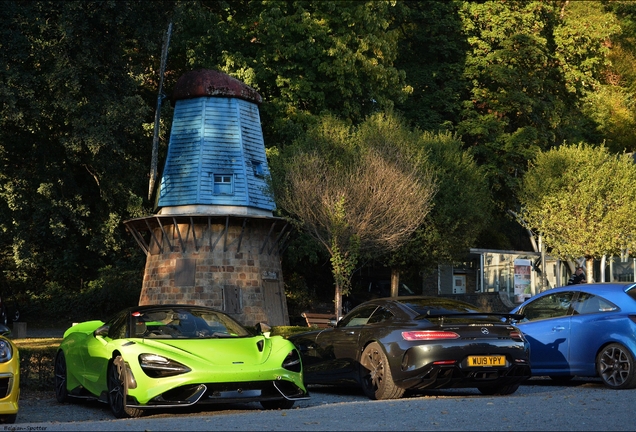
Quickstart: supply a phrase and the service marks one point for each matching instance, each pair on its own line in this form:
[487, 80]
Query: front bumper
[214, 393]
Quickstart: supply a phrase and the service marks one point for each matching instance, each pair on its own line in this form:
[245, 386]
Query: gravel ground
[42, 407]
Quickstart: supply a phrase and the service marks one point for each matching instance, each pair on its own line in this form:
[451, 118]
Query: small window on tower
[223, 184]
[258, 169]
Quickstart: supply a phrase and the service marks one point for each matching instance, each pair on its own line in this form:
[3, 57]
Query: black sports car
[390, 345]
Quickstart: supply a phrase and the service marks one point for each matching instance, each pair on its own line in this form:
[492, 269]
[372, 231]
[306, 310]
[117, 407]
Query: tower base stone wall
[231, 268]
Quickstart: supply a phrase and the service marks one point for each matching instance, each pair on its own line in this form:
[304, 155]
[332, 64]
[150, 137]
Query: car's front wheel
[376, 377]
[61, 392]
[616, 367]
[118, 390]
[277, 404]
[499, 390]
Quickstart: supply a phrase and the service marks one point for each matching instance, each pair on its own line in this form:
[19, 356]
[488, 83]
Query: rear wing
[509, 317]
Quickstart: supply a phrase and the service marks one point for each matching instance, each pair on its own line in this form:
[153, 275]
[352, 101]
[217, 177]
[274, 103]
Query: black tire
[8, 419]
[277, 404]
[616, 367]
[376, 378]
[561, 379]
[61, 378]
[499, 390]
[118, 390]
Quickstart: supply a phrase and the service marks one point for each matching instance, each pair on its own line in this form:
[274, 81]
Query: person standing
[578, 277]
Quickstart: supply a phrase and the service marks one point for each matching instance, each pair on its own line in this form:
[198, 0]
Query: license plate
[485, 361]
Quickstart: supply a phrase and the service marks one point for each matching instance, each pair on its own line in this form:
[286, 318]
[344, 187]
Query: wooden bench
[319, 320]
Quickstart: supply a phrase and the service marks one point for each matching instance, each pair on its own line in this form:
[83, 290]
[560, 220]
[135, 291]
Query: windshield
[185, 323]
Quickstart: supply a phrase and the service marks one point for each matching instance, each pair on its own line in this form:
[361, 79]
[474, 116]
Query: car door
[589, 330]
[547, 328]
[338, 348]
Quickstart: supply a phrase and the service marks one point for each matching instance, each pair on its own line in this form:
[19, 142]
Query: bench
[319, 320]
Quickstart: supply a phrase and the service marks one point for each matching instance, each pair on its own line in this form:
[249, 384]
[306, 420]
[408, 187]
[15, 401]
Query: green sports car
[167, 356]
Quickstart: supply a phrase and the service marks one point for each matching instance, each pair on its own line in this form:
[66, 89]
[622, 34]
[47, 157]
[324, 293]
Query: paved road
[539, 405]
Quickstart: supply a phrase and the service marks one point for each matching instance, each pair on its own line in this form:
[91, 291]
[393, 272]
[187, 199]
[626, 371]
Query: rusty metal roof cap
[206, 83]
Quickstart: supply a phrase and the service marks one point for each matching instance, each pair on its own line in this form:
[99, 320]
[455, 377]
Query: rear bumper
[437, 377]
[422, 368]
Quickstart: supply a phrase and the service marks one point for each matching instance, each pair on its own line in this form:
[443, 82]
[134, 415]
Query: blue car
[584, 330]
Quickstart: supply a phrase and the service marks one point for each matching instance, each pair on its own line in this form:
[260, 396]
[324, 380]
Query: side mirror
[102, 330]
[262, 328]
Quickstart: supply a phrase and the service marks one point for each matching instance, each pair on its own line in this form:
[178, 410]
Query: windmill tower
[213, 240]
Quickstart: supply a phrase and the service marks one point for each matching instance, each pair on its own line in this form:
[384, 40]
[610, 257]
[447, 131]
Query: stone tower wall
[238, 271]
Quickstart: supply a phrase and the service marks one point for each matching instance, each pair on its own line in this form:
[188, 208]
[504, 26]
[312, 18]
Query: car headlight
[6, 352]
[156, 366]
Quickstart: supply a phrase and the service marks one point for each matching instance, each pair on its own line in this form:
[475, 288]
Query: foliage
[305, 57]
[432, 52]
[113, 290]
[530, 65]
[72, 144]
[37, 358]
[353, 194]
[461, 208]
[581, 199]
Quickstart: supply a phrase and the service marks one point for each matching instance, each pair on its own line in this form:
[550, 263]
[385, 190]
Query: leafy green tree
[305, 57]
[73, 147]
[581, 199]
[530, 65]
[431, 51]
[612, 106]
[461, 210]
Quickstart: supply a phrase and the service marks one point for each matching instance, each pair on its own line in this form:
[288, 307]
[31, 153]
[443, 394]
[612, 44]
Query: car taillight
[516, 335]
[428, 335]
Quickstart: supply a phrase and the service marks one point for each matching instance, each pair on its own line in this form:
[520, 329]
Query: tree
[354, 199]
[305, 57]
[530, 65]
[461, 210]
[432, 52]
[73, 147]
[581, 199]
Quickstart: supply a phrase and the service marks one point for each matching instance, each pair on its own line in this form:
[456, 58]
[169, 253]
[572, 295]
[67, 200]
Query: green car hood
[223, 351]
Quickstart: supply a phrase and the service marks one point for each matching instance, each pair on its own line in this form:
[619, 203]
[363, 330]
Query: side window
[589, 303]
[550, 306]
[360, 317]
[117, 327]
[380, 315]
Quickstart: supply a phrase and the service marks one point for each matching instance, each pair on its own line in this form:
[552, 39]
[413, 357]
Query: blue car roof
[612, 291]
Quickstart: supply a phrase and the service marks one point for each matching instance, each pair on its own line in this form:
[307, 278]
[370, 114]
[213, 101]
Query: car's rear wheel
[616, 367]
[277, 404]
[376, 378]
[118, 390]
[499, 390]
[61, 392]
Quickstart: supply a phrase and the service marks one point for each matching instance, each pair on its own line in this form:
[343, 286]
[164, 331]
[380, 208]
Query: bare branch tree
[369, 206]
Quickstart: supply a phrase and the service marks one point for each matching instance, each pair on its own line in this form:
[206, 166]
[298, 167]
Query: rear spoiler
[508, 316]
